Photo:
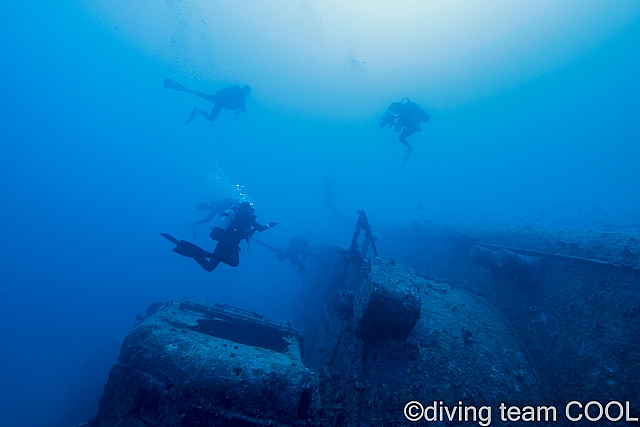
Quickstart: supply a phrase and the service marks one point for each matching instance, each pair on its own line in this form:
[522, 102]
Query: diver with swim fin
[232, 226]
[405, 117]
[232, 98]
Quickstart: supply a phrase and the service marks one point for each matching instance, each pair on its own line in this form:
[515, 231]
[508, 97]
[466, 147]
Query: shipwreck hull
[572, 299]
[467, 317]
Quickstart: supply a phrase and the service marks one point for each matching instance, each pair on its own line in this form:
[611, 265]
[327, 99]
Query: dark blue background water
[536, 121]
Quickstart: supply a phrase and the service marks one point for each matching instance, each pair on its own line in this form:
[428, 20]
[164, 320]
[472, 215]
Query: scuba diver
[406, 118]
[215, 207]
[297, 252]
[232, 98]
[234, 225]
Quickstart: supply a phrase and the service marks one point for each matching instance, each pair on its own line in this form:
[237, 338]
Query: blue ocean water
[535, 121]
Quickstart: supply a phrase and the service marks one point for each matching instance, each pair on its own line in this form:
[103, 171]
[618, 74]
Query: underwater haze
[535, 122]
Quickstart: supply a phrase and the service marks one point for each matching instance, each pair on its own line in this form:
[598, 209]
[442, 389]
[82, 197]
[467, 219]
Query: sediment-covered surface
[194, 363]
[577, 314]
[459, 349]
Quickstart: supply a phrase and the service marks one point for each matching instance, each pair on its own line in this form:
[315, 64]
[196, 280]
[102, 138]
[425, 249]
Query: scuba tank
[221, 224]
[401, 111]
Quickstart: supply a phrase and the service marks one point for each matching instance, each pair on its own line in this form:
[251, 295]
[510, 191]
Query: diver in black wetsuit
[241, 226]
[232, 98]
[215, 207]
[406, 117]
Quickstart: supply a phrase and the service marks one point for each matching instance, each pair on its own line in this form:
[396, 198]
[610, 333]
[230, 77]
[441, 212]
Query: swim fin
[191, 116]
[170, 84]
[170, 238]
[190, 250]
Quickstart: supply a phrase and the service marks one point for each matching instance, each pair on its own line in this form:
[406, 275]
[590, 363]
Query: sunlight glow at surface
[504, 81]
[452, 51]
